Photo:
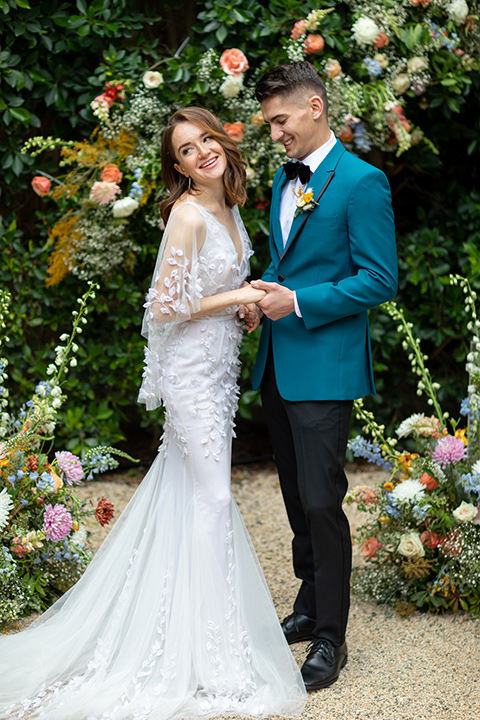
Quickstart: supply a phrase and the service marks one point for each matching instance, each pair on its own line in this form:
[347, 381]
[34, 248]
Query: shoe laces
[324, 647]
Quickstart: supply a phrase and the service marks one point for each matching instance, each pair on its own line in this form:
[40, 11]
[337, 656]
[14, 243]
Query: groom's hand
[278, 302]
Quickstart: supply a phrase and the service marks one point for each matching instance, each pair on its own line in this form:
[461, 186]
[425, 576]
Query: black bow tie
[297, 169]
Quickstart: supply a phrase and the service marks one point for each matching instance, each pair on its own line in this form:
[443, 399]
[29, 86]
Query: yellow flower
[388, 486]
[383, 519]
[308, 197]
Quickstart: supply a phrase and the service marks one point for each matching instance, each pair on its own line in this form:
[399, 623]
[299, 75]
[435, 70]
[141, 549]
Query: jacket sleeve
[372, 246]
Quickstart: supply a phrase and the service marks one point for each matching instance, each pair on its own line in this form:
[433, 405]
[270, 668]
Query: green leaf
[20, 114]
[17, 165]
[23, 4]
[81, 6]
[221, 34]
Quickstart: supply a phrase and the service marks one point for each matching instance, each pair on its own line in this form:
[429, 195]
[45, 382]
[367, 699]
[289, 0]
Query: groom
[332, 258]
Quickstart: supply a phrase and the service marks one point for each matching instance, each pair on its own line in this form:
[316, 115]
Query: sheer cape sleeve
[174, 294]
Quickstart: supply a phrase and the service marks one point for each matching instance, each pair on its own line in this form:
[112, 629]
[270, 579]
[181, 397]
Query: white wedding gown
[172, 618]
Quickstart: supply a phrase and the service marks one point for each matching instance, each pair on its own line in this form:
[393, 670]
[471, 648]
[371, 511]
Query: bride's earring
[189, 183]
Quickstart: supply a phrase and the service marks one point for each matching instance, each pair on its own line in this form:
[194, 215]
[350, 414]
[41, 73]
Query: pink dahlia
[70, 466]
[449, 450]
[57, 522]
[103, 192]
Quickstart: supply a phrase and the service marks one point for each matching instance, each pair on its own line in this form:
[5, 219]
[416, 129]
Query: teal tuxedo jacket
[341, 261]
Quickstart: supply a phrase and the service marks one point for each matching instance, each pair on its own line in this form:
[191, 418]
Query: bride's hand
[249, 294]
[251, 315]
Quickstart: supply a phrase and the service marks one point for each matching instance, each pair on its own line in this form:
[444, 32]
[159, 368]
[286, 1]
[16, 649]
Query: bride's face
[199, 155]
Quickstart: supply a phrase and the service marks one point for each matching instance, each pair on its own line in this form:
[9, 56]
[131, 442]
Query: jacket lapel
[319, 182]
[275, 214]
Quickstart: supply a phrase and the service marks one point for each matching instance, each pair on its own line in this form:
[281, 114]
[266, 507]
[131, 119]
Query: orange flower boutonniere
[304, 201]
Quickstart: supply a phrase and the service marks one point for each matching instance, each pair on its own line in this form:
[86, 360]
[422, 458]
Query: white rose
[416, 64]
[231, 86]
[458, 11]
[465, 512]
[152, 79]
[401, 83]
[124, 207]
[250, 173]
[365, 31]
[411, 546]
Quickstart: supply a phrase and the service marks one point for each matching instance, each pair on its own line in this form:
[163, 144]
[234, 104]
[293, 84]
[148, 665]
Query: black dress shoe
[298, 627]
[323, 664]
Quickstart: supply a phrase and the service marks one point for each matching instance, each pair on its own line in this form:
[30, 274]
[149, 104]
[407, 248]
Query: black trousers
[309, 441]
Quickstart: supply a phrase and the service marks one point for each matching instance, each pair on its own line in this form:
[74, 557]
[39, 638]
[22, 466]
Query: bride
[172, 618]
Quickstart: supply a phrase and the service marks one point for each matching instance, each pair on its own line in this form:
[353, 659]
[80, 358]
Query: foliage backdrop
[55, 60]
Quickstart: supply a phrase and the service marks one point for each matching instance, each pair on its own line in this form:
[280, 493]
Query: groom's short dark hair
[289, 79]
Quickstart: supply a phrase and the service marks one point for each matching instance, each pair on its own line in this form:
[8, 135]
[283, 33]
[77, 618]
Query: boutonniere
[304, 201]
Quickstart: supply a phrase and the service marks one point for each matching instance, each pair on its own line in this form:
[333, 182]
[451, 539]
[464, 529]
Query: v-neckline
[242, 248]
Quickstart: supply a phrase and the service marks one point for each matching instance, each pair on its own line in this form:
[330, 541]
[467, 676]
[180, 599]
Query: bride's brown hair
[234, 179]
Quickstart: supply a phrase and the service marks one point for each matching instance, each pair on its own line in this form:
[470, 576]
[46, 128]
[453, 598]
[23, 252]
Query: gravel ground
[418, 668]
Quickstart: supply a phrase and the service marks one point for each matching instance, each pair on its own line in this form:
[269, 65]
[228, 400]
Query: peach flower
[314, 44]
[370, 547]
[41, 185]
[233, 62]
[235, 130]
[346, 135]
[111, 174]
[333, 68]
[381, 40]
[103, 192]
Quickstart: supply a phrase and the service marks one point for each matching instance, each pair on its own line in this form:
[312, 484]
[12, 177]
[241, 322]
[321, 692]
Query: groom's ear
[316, 106]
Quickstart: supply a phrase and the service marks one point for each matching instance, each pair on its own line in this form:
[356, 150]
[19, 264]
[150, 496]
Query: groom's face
[294, 121]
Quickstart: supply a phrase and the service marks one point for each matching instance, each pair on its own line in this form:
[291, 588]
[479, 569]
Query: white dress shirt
[287, 201]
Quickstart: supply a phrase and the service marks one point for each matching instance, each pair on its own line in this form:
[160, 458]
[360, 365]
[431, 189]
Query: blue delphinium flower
[471, 483]
[360, 138]
[136, 191]
[361, 447]
[374, 68]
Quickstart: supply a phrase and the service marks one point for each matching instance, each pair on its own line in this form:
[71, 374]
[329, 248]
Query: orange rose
[429, 482]
[346, 135]
[41, 185]
[235, 130]
[314, 44]
[233, 62]
[381, 40]
[111, 174]
[370, 547]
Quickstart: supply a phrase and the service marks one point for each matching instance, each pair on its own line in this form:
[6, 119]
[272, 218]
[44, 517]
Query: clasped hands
[265, 298]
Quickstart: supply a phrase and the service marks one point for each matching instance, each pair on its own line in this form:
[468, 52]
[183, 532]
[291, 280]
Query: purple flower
[449, 450]
[70, 466]
[57, 522]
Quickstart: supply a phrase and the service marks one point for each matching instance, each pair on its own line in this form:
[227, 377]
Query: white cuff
[297, 307]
